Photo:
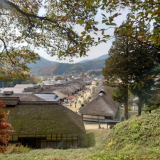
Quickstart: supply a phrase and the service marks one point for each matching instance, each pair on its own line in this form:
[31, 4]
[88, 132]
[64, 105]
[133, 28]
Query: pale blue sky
[95, 51]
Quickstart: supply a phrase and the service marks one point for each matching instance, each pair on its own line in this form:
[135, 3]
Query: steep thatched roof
[98, 90]
[104, 89]
[66, 90]
[77, 86]
[59, 94]
[101, 105]
[71, 89]
[44, 118]
[80, 83]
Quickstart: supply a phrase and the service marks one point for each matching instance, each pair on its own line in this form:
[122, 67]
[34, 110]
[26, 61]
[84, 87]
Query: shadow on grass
[88, 140]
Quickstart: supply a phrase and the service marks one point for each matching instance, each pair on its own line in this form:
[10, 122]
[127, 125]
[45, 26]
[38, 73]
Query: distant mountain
[61, 68]
[41, 64]
[99, 58]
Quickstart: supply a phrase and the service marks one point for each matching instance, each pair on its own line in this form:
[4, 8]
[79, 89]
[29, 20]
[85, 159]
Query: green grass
[93, 141]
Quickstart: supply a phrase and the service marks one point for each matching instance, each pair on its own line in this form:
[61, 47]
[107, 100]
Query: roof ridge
[68, 110]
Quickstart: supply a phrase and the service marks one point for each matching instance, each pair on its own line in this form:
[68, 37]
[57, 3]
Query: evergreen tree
[134, 65]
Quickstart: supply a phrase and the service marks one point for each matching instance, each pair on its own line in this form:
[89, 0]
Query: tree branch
[24, 13]
[28, 16]
[6, 50]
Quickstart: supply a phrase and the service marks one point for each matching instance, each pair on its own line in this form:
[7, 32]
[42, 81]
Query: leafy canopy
[24, 28]
[140, 11]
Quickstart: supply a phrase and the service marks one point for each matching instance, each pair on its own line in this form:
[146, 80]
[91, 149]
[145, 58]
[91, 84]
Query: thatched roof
[59, 94]
[33, 89]
[9, 101]
[22, 97]
[71, 89]
[44, 118]
[66, 90]
[98, 90]
[104, 89]
[77, 86]
[101, 105]
[81, 83]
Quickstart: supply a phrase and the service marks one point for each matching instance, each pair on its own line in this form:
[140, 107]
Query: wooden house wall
[93, 117]
[61, 141]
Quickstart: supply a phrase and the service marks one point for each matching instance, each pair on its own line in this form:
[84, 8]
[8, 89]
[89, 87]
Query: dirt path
[87, 93]
[95, 126]
[80, 100]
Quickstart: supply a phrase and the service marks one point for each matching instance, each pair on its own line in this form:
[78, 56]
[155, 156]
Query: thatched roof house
[66, 90]
[77, 86]
[45, 124]
[101, 107]
[59, 94]
[81, 83]
[99, 89]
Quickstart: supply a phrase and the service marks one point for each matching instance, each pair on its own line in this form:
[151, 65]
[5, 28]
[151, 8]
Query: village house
[19, 88]
[100, 108]
[42, 124]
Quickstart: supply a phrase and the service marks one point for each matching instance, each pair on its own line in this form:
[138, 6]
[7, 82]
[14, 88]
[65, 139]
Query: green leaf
[132, 16]
[103, 32]
[104, 21]
[80, 22]
[84, 32]
[114, 24]
[88, 38]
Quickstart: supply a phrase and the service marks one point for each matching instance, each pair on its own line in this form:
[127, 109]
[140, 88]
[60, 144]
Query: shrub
[17, 149]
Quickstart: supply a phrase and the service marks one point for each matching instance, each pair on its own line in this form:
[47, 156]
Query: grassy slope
[135, 139]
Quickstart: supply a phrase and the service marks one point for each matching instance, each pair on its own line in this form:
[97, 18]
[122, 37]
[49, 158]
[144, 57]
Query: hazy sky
[95, 51]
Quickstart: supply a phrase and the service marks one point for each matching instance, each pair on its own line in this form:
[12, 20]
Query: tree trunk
[126, 103]
[126, 86]
[139, 105]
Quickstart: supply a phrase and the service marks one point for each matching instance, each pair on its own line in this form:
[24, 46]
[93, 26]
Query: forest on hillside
[65, 68]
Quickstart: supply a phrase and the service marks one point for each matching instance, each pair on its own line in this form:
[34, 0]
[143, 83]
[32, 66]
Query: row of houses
[61, 90]
[39, 119]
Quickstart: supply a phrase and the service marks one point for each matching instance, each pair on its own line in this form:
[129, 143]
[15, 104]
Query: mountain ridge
[45, 67]
[105, 56]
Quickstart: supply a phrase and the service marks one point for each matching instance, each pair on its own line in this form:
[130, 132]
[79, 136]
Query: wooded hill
[41, 64]
[61, 68]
